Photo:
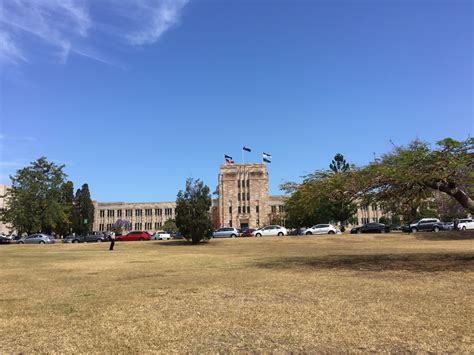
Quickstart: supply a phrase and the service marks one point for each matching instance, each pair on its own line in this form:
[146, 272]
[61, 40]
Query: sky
[134, 96]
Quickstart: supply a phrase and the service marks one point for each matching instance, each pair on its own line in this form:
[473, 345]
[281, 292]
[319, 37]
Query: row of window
[279, 208]
[241, 196]
[243, 183]
[364, 220]
[244, 209]
[138, 226]
[138, 213]
[374, 207]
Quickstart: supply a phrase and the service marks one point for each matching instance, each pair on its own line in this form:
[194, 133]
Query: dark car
[89, 238]
[371, 228]
[247, 232]
[5, 240]
[424, 225]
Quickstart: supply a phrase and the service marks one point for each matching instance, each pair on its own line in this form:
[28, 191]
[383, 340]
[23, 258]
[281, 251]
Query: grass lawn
[392, 292]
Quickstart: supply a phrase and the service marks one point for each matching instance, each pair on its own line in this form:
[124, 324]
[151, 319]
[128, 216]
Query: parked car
[161, 236]
[227, 232]
[94, 237]
[5, 239]
[39, 238]
[270, 230]
[321, 229]
[177, 235]
[133, 236]
[449, 226]
[371, 228]
[467, 223]
[424, 224]
[247, 232]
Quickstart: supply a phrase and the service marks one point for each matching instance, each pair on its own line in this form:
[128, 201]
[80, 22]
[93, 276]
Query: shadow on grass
[381, 262]
[451, 235]
[179, 242]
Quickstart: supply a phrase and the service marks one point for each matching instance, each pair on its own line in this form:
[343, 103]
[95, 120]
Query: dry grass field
[389, 293]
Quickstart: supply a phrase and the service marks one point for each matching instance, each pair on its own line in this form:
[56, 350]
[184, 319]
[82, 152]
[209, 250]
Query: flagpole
[243, 156]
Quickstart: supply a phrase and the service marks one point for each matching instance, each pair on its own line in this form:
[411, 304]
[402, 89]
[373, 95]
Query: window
[238, 209]
[248, 183]
[157, 225]
[238, 196]
[158, 212]
[119, 213]
[138, 213]
[168, 211]
[102, 213]
[238, 184]
[230, 223]
[148, 226]
[374, 207]
[248, 209]
[138, 226]
[101, 227]
[248, 196]
[128, 213]
[281, 208]
[257, 208]
[230, 209]
[148, 212]
[110, 213]
[243, 183]
[274, 209]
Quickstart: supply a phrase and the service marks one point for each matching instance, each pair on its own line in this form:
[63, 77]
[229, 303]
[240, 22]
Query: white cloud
[68, 25]
[160, 16]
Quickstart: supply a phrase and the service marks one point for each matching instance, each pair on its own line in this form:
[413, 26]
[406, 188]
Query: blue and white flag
[266, 160]
[266, 155]
[246, 149]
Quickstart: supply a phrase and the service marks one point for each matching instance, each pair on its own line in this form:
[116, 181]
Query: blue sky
[136, 95]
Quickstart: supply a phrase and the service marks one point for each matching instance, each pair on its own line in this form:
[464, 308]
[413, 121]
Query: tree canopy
[192, 211]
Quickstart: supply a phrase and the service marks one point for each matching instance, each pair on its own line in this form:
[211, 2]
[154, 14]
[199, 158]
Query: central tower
[243, 195]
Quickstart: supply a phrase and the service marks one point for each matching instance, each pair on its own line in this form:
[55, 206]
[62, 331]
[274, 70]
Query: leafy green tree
[170, 226]
[68, 199]
[192, 211]
[417, 170]
[37, 199]
[339, 164]
[83, 211]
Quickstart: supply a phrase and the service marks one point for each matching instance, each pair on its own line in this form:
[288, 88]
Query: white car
[321, 229]
[466, 223]
[161, 236]
[270, 230]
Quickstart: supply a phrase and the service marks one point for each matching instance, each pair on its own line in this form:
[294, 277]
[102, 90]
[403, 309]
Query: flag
[247, 149]
[227, 157]
[266, 160]
[266, 155]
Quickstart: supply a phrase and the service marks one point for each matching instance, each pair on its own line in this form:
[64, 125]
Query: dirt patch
[382, 262]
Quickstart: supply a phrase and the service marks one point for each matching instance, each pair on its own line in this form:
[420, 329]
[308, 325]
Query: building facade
[149, 216]
[4, 228]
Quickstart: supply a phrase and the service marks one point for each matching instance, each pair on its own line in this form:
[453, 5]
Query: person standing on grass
[112, 241]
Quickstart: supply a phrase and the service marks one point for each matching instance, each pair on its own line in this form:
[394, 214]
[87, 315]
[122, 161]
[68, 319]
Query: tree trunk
[452, 190]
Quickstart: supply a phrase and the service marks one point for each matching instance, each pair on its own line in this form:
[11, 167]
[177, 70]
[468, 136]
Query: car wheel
[359, 231]
[75, 241]
[99, 240]
[464, 228]
[233, 236]
[331, 232]
[41, 242]
[414, 230]
[258, 235]
[436, 229]
[382, 231]
[21, 243]
[309, 233]
[280, 234]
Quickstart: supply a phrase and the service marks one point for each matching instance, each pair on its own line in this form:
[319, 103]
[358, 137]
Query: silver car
[228, 232]
[39, 238]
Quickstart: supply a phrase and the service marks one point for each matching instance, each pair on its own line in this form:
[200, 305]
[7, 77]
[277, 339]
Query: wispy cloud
[18, 138]
[68, 26]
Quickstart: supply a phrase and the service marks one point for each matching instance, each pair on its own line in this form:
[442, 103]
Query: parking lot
[389, 292]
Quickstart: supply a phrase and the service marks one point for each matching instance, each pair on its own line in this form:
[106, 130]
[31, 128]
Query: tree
[339, 164]
[192, 211]
[68, 200]
[38, 198]
[170, 226]
[416, 171]
[121, 225]
[83, 217]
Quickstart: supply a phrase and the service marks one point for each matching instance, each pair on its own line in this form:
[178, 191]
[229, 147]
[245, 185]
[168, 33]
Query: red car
[133, 236]
[247, 232]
